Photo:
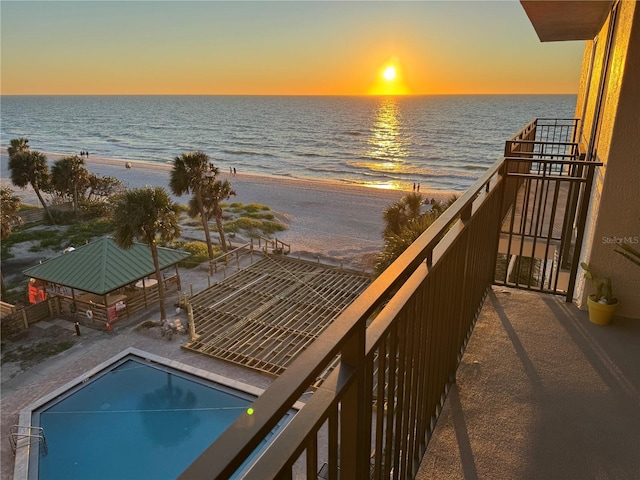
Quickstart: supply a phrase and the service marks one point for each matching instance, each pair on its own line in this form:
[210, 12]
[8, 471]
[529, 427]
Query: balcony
[398, 346]
[541, 393]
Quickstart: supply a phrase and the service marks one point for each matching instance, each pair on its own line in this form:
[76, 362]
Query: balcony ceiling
[566, 20]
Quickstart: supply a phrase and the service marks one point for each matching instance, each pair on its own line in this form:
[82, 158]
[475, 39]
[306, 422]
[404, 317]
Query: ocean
[443, 143]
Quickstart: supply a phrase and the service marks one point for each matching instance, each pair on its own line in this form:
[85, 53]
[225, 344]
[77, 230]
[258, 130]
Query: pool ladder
[18, 432]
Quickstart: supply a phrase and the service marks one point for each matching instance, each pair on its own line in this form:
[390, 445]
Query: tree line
[68, 178]
[146, 214]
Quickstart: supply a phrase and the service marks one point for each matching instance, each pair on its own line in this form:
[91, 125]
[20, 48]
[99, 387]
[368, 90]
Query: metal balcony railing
[398, 344]
[548, 188]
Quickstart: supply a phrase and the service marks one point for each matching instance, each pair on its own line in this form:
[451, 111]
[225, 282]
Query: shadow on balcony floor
[541, 393]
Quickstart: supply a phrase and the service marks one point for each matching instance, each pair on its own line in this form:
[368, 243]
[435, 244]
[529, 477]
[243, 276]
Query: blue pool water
[136, 421]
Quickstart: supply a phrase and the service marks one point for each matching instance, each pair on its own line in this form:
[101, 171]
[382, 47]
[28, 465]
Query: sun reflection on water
[387, 146]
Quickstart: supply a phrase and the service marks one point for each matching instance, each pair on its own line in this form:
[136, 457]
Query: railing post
[355, 431]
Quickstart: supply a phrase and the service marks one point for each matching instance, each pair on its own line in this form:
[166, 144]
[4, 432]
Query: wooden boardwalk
[265, 315]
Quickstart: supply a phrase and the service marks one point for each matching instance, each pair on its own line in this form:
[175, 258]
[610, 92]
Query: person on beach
[230, 171]
[234, 171]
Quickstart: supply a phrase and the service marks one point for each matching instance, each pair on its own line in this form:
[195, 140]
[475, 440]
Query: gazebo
[104, 282]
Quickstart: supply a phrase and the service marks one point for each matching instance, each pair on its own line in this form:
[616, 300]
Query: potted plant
[602, 305]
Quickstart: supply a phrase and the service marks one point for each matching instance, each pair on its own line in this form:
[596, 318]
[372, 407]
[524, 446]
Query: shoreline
[110, 162]
[326, 218]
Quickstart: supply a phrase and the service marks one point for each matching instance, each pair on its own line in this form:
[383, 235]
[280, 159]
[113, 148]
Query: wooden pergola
[265, 315]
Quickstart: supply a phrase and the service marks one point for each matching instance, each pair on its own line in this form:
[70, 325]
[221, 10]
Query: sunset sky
[279, 48]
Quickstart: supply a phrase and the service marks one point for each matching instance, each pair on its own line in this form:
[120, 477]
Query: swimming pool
[134, 419]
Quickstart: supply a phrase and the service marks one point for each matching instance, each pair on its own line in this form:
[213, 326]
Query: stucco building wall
[614, 212]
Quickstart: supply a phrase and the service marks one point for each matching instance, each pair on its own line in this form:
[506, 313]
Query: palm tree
[396, 243]
[214, 192]
[70, 177]
[190, 172]
[147, 214]
[404, 223]
[18, 145]
[30, 168]
[440, 206]
[9, 207]
[398, 215]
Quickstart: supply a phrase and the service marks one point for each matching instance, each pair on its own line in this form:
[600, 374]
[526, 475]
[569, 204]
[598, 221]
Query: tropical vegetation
[405, 220]
[9, 207]
[70, 177]
[188, 176]
[148, 215]
[604, 289]
[28, 167]
[214, 193]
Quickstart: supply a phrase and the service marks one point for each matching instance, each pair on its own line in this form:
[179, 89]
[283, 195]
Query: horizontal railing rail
[557, 129]
[547, 149]
[235, 254]
[540, 236]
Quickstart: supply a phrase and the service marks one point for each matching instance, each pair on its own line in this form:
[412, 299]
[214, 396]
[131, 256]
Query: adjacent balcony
[535, 370]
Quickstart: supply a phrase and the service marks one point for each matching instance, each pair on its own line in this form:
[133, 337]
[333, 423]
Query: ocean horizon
[443, 142]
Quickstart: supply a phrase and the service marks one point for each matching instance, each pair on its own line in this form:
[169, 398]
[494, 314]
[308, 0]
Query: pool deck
[97, 347]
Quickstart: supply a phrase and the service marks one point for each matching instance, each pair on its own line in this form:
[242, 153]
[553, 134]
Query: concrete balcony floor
[541, 393]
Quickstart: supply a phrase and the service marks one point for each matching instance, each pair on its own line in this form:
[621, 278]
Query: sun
[390, 79]
[389, 73]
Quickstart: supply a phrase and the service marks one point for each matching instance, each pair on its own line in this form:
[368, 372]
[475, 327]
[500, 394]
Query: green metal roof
[102, 266]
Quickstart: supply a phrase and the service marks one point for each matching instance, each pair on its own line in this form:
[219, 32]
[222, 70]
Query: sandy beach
[326, 219]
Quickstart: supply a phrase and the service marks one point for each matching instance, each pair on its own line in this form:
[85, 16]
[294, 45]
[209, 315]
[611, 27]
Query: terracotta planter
[601, 313]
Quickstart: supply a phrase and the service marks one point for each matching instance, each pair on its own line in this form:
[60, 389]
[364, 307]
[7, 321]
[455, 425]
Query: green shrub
[81, 233]
[62, 216]
[90, 209]
[29, 234]
[242, 223]
[253, 225]
[254, 207]
[262, 216]
[24, 207]
[237, 207]
[198, 251]
[17, 293]
[272, 227]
